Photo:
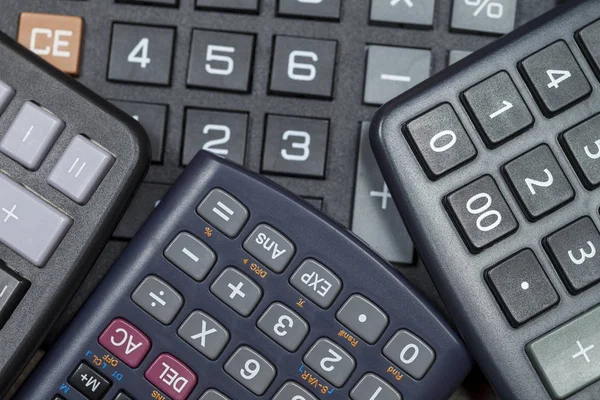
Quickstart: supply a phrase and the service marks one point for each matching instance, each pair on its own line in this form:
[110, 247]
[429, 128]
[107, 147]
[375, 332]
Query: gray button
[80, 169]
[372, 387]
[283, 326]
[410, 353]
[12, 290]
[483, 16]
[376, 219]
[158, 299]
[568, 358]
[29, 225]
[31, 135]
[213, 395]
[293, 391]
[391, 71]
[237, 291]
[270, 247]
[363, 317]
[205, 334]
[190, 255]
[224, 212]
[6, 95]
[330, 361]
[250, 369]
[408, 12]
[457, 55]
[316, 282]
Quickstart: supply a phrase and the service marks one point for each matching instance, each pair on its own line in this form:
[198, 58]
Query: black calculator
[495, 166]
[69, 164]
[235, 289]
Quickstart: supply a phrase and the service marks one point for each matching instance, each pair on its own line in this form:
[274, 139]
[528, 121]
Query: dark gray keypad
[220, 60]
[228, 5]
[31, 135]
[538, 182]
[224, 212]
[293, 391]
[141, 54]
[372, 387]
[589, 39]
[237, 291]
[158, 299]
[574, 252]
[521, 287]
[555, 78]
[213, 395]
[295, 146]
[270, 247]
[284, 326]
[498, 109]
[582, 145]
[457, 55]
[304, 67]
[6, 95]
[191, 255]
[481, 213]
[316, 282]
[12, 290]
[567, 358]
[219, 132]
[330, 361]
[440, 141]
[410, 353]
[403, 12]
[497, 17]
[251, 370]
[329, 9]
[205, 334]
[28, 225]
[364, 318]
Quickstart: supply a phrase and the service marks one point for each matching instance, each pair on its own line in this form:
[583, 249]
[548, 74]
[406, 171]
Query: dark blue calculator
[235, 289]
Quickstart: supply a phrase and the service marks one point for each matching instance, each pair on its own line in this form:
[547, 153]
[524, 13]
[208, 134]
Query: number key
[582, 145]
[372, 387]
[330, 361]
[293, 391]
[410, 353]
[251, 370]
[283, 326]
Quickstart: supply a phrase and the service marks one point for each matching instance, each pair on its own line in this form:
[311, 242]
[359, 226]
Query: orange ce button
[55, 38]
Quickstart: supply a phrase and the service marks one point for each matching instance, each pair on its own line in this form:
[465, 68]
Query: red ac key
[125, 341]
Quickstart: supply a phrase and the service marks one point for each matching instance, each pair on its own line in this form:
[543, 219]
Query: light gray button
[293, 391]
[457, 55]
[363, 317]
[391, 71]
[250, 369]
[376, 219]
[408, 12]
[29, 225]
[213, 395]
[205, 334]
[283, 326]
[372, 387]
[158, 299]
[190, 255]
[80, 169]
[568, 358]
[330, 361]
[484, 16]
[237, 291]
[31, 135]
[409, 353]
[316, 282]
[270, 247]
[6, 95]
[224, 212]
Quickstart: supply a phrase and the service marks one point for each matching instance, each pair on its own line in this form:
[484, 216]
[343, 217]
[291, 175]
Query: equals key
[158, 299]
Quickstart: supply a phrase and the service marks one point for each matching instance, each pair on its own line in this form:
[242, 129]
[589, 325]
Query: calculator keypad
[237, 291]
[410, 353]
[284, 326]
[251, 370]
[205, 334]
[582, 145]
[317, 283]
[330, 361]
[158, 299]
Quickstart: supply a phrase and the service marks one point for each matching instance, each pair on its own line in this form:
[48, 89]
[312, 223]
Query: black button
[481, 213]
[89, 382]
[123, 396]
[440, 141]
[555, 78]
[582, 145]
[498, 109]
[329, 9]
[228, 5]
[12, 290]
[538, 182]
[574, 250]
[589, 40]
[521, 287]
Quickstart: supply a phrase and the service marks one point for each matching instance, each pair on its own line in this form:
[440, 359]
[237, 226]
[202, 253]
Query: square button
[12, 291]
[191, 256]
[219, 132]
[521, 287]
[270, 247]
[89, 382]
[80, 169]
[6, 95]
[237, 291]
[589, 40]
[291, 391]
[31, 135]
[555, 78]
[212, 394]
[391, 71]
[497, 108]
[582, 145]
[481, 214]
[220, 60]
[132, 344]
[410, 353]
[403, 12]
[328, 9]
[205, 334]
[304, 67]
[496, 17]
[574, 252]
[259, 381]
[158, 299]
[440, 141]
[371, 386]
[162, 372]
[224, 212]
[228, 5]
[317, 283]
[364, 318]
[295, 146]
[284, 326]
[141, 54]
[330, 361]
[538, 182]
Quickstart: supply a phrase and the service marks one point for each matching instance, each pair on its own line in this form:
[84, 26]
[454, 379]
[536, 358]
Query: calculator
[495, 166]
[69, 164]
[235, 289]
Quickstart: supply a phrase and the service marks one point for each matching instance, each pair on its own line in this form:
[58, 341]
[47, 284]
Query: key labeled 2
[270, 247]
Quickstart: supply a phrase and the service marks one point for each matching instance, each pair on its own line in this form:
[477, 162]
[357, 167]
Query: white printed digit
[283, 322]
[557, 76]
[413, 357]
[327, 362]
[441, 149]
[211, 56]
[532, 182]
[593, 156]
[304, 146]
[584, 255]
[294, 66]
[209, 146]
[483, 212]
[250, 370]
[135, 57]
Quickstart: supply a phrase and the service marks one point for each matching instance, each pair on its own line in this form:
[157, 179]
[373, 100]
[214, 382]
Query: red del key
[125, 341]
[171, 376]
